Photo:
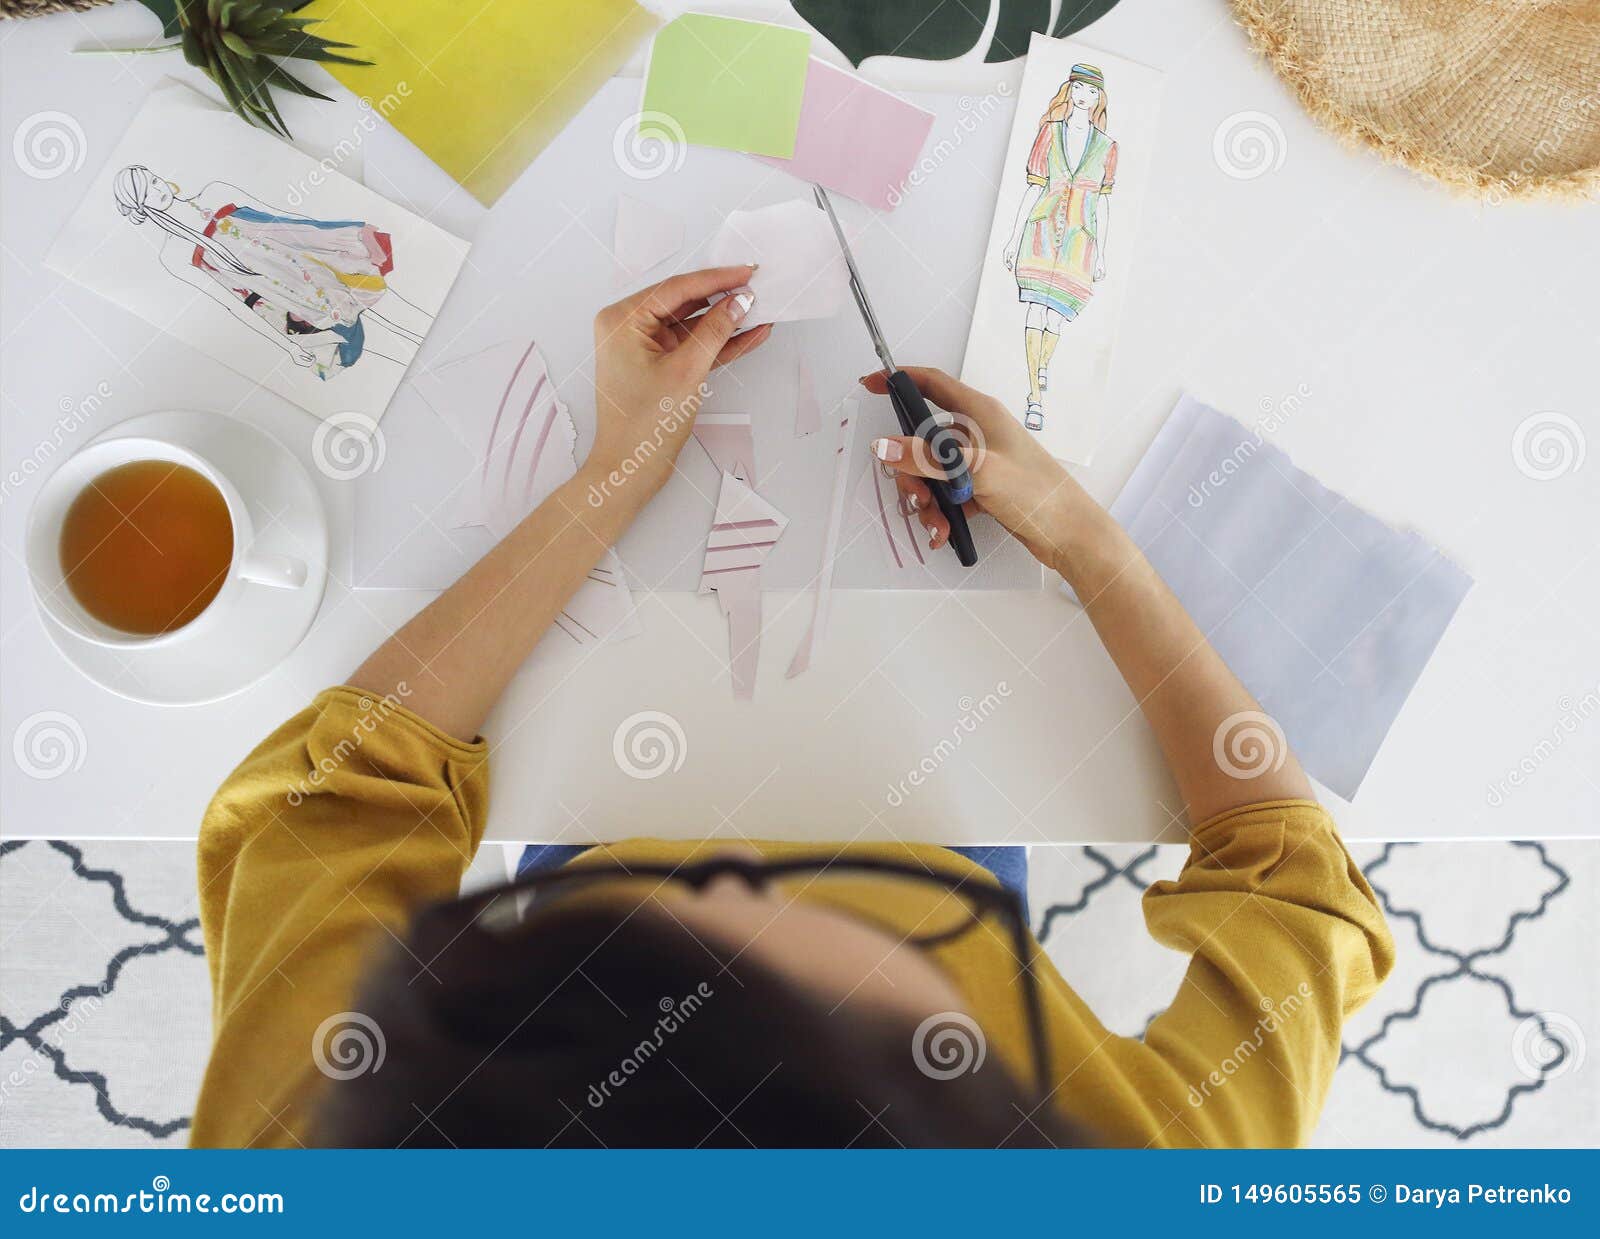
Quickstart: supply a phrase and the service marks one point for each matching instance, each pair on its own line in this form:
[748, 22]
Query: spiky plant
[239, 44]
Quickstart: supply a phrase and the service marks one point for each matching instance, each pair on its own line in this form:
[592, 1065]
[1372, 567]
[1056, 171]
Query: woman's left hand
[653, 352]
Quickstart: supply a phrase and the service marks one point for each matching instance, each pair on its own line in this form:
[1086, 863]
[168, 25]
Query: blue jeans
[1008, 864]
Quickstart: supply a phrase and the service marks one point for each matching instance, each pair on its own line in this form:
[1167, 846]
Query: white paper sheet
[1065, 231]
[646, 235]
[1327, 614]
[743, 533]
[233, 241]
[802, 269]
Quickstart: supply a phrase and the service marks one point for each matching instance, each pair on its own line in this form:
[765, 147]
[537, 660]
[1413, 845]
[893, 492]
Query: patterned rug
[1478, 1040]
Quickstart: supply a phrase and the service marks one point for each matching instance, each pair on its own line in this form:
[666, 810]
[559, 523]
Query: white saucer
[263, 625]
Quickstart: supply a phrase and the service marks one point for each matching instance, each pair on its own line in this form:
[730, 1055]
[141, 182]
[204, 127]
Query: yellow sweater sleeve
[1286, 940]
[315, 850]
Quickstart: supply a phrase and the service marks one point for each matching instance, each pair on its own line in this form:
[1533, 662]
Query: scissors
[916, 419]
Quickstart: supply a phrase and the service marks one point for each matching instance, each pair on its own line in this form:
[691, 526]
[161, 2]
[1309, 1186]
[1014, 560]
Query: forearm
[1183, 687]
[457, 655]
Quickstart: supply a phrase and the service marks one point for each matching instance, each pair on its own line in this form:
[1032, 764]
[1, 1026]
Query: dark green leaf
[279, 76]
[940, 29]
[1018, 20]
[1076, 14]
[167, 11]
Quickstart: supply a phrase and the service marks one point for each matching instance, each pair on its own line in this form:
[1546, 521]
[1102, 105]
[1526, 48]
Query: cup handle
[277, 571]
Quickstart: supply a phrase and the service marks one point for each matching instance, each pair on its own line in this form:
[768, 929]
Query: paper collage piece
[807, 409]
[730, 442]
[523, 452]
[482, 93]
[823, 593]
[743, 532]
[803, 272]
[1326, 614]
[856, 138]
[227, 238]
[1056, 269]
[646, 236]
[896, 532]
[720, 81]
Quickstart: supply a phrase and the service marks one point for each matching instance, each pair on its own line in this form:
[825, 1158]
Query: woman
[1058, 246]
[670, 993]
[310, 284]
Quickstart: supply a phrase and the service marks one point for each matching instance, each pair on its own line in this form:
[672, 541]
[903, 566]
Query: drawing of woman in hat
[1058, 247]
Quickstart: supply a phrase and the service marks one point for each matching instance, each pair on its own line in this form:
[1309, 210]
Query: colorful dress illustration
[306, 275]
[1057, 249]
[318, 288]
[1057, 262]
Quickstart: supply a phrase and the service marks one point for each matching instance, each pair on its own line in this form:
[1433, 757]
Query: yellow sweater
[356, 811]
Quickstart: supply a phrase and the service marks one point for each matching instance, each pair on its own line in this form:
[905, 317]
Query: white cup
[50, 589]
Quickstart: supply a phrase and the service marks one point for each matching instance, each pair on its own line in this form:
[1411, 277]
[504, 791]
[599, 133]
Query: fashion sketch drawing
[319, 289]
[1057, 248]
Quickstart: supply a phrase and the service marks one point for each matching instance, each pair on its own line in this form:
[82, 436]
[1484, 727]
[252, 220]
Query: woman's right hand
[1014, 478]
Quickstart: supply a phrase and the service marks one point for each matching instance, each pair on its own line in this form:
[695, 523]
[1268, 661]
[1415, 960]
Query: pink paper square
[855, 138]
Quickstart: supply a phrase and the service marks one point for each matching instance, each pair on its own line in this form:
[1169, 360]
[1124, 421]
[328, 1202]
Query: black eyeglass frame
[980, 897]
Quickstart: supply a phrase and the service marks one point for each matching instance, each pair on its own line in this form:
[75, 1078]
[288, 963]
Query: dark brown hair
[590, 1024]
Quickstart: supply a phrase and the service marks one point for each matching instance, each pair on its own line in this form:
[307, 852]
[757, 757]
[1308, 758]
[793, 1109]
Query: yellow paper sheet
[481, 86]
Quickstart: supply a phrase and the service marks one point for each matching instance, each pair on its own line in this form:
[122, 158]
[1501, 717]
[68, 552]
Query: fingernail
[913, 502]
[754, 266]
[887, 449]
[739, 303]
[888, 472]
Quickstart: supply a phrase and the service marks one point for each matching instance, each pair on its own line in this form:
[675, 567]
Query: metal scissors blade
[857, 289]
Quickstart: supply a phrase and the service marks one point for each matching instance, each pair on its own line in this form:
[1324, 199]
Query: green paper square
[729, 83]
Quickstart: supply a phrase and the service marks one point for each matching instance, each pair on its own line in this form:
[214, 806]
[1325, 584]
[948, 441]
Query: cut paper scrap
[646, 235]
[807, 410]
[1326, 614]
[503, 402]
[743, 532]
[802, 269]
[482, 92]
[823, 594]
[856, 138]
[730, 442]
[895, 532]
[725, 82]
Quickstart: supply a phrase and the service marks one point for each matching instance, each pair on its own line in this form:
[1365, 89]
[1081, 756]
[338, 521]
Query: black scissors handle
[956, 487]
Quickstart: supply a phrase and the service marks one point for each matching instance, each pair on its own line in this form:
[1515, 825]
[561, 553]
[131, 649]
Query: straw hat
[1495, 97]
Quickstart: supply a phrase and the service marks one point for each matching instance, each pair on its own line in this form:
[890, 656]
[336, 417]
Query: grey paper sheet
[1327, 614]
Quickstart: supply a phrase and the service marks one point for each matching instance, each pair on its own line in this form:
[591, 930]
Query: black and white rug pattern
[1478, 1040]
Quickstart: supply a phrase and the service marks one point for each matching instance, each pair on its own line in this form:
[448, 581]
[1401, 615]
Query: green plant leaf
[167, 12]
[940, 29]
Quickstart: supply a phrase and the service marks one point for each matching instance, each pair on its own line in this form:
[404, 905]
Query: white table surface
[1424, 329]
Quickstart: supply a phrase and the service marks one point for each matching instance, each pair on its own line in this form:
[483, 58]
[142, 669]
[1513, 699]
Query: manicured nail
[742, 299]
[913, 502]
[887, 449]
[888, 472]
